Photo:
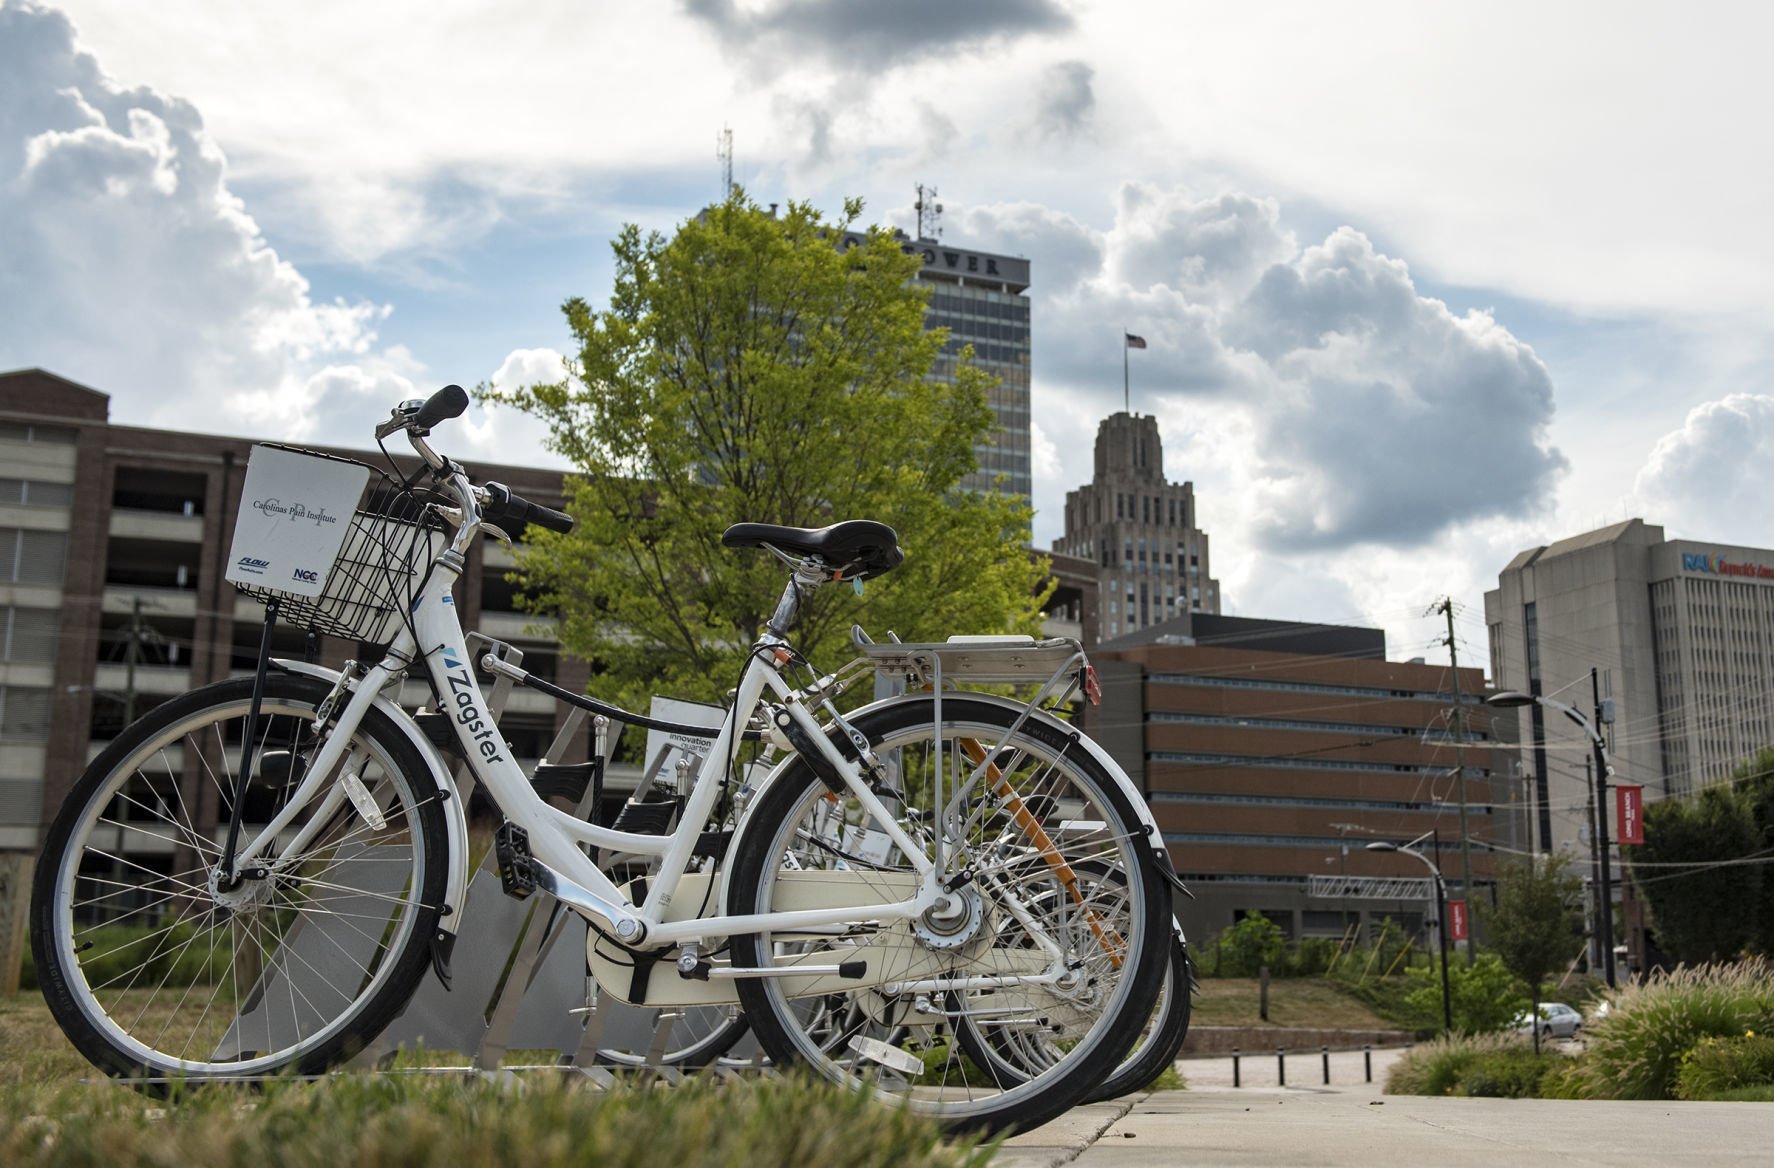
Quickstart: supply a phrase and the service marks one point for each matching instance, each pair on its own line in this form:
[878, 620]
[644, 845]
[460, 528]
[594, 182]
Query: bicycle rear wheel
[1078, 970]
[155, 971]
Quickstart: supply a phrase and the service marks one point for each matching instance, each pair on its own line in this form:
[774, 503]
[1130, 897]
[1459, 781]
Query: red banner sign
[1456, 920]
[1629, 814]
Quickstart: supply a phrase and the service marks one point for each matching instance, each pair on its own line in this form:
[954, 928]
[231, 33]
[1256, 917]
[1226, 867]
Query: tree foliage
[1537, 922]
[746, 369]
[1706, 908]
[1250, 944]
[1482, 997]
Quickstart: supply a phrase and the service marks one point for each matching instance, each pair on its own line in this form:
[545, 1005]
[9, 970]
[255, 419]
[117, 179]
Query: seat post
[809, 574]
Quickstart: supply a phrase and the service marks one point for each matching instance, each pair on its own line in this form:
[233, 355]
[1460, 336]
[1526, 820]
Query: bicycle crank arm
[622, 922]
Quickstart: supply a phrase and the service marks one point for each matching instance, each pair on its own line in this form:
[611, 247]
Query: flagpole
[1125, 408]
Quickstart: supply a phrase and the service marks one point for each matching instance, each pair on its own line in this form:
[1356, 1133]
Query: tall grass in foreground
[424, 1121]
[1636, 1052]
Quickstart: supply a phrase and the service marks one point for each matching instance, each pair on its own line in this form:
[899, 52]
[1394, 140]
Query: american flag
[1134, 342]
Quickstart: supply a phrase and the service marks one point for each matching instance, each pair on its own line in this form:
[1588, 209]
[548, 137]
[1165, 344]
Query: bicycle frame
[556, 837]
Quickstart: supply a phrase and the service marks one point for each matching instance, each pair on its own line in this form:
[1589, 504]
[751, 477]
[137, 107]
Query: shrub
[1636, 1051]
[1313, 957]
[1483, 997]
[1717, 1066]
[1247, 946]
[1514, 1072]
[1439, 1067]
[1490, 1065]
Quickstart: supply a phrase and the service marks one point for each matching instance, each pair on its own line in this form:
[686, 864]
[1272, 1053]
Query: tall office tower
[980, 298]
[1682, 635]
[1139, 530]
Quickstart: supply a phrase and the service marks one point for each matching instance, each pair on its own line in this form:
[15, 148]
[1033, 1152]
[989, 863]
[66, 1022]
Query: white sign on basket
[294, 512]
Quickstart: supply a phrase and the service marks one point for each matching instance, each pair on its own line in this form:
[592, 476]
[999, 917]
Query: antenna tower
[724, 152]
[929, 213]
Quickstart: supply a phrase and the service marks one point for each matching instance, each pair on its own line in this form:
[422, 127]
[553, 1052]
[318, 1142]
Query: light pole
[1508, 699]
[1441, 911]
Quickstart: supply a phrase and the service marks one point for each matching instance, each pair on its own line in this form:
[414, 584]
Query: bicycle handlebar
[448, 402]
[511, 512]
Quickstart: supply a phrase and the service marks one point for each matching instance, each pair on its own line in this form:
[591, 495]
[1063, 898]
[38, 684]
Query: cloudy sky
[1423, 284]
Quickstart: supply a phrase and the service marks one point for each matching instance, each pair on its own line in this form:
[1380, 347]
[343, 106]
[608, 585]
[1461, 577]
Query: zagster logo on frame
[1720, 566]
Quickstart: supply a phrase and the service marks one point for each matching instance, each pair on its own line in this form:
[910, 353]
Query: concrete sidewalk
[1351, 1125]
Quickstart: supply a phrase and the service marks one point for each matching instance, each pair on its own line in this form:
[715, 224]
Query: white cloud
[131, 267]
[1712, 478]
[1346, 407]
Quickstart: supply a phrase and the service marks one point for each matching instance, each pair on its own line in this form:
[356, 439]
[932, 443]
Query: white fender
[455, 815]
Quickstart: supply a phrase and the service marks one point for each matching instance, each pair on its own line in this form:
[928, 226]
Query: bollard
[1367, 1061]
[1235, 1081]
[1281, 1065]
[1324, 1052]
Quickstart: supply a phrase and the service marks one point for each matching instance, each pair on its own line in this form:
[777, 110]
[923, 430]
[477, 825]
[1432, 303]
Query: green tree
[747, 369]
[1754, 778]
[1703, 911]
[1538, 918]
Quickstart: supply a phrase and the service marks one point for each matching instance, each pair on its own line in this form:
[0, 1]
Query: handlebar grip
[511, 513]
[446, 403]
[548, 517]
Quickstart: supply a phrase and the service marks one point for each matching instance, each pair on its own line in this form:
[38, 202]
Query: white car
[1557, 1020]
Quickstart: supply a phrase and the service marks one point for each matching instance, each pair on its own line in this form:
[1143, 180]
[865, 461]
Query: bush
[1483, 997]
[1446, 1066]
[1636, 1052]
[1243, 949]
[1717, 1066]
[1313, 957]
[1515, 1072]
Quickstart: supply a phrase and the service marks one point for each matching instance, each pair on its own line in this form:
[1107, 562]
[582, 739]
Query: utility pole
[138, 634]
[1459, 718]
[1601, 825]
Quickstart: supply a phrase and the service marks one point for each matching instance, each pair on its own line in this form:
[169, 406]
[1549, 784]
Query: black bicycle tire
[364, 1018]
[755, 858]
[1163, 1042]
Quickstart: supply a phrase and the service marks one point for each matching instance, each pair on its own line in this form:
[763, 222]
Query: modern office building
[1681, 634]
[1273, 753]
[1140, 530]
[981, 298]
[112, 598]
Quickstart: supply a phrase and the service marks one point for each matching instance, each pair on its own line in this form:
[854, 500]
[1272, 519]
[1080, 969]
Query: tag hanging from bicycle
[294, 512]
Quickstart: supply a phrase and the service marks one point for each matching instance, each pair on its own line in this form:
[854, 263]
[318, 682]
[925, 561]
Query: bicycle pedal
[511, 849]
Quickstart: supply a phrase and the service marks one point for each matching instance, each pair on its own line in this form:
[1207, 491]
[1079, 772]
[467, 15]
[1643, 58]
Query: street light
[1441, 912]
[1509, 699]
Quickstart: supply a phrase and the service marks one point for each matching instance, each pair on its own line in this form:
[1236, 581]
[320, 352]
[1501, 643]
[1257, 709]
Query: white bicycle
[254, 878]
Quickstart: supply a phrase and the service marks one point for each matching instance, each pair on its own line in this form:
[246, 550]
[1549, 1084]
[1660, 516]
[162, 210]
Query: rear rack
[1057, 664]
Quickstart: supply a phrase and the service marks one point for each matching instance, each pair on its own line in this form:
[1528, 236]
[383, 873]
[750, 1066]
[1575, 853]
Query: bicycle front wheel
[155, 970]
[1073, 974]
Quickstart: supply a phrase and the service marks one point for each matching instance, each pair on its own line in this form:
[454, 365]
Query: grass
[396, 1121]
[1637, 1051]
[1314, 1002]
[53, 1113]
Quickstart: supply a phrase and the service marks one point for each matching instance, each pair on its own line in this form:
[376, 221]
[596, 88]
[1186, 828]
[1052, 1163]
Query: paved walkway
[1351, 1125]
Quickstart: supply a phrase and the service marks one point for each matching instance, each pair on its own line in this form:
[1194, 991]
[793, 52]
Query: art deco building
[1140, 530]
